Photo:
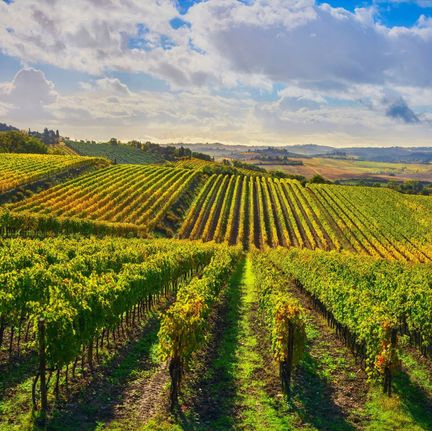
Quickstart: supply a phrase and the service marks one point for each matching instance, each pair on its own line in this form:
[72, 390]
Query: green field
[268, 305]
[118, 153]
[348, 169]
[20, 169]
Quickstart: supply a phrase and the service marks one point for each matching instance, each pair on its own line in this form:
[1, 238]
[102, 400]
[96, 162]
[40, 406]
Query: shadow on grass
[415, 399]
[214, 393]
[16, 371]
[96, 401]
[313, 399]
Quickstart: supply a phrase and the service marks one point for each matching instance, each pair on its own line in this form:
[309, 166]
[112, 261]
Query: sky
[257, 72]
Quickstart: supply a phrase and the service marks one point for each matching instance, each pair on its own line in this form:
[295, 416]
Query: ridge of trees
[14, 141]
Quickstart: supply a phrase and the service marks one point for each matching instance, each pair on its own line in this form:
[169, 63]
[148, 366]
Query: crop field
[380, 221]
[119, 153]
[132, 334]
[18, 169]
[337, 169]
[275, 302]
[215, 215]
[251, 210]
[63, 149]
[257, 211]
[192, 163]
[260, 212]
[126, 194]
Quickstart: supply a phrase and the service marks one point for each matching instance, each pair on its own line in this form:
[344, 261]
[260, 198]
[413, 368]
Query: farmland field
[338, 169]
[278, 306]
[18, 169]
[194, 163]
[216, 215]
[260, 212]
[119, 153]
[128, 194]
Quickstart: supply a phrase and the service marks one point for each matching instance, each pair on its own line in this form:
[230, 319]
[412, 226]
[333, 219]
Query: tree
[20, 142]
[318, 179]
[45, 136]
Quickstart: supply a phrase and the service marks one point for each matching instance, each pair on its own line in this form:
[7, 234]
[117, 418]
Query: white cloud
[29, 87]
[227, 41]
[340, 72]
[109, 86]
[28, 95]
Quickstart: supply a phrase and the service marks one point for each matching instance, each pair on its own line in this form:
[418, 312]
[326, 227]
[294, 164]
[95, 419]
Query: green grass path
[256, 409]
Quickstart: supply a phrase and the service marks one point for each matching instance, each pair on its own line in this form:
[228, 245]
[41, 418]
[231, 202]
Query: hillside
[251, 210]
[265, 212]
[20, 169]
[227, 167]
[117, 153]
[277, 301]
[375, 154]
[120, 198]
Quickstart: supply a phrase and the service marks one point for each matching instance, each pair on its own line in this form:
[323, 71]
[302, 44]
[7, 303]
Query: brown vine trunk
[286, 367]
[2, 328]
[175, 374]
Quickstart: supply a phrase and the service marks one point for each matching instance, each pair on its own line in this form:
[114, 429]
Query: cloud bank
[272, 71]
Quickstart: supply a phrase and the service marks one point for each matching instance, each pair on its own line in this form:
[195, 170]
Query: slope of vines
[134, 196]
[19, 169]
[381, 221]
[266, 212]
[117, 153]
[258, 212]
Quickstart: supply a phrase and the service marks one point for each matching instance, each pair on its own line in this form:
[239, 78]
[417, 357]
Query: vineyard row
[128, 194]
[265, 212]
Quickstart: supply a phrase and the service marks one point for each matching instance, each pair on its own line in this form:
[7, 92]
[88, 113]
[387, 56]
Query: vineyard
[370, 301]
[18, 169]
[278, 307]
[119, 153]
[265, 212]
[62, 149]
[219, 167]
[65, 299]
[193, 163]
[71, 307]
[131, 195]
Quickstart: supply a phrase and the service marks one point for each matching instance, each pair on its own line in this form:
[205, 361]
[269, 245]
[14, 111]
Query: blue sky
[404, 13]
[237, 71]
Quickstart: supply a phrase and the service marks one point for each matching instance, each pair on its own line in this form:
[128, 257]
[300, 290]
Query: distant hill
[309, 149]
[375, 154]
[6, 128]
[117, 153]
[392, 154]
